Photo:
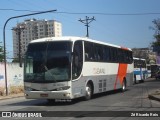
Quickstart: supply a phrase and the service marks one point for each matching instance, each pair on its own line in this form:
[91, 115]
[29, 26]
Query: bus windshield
[139, 63]
[48, 62]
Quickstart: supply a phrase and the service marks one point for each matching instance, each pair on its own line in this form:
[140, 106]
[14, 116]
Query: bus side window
[98, 52]
[106, 54]
[77, 59]
[129, 57]
[89, 51]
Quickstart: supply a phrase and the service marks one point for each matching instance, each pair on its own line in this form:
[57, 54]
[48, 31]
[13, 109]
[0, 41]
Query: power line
[16, 10]
[125, 14]
[89, 13]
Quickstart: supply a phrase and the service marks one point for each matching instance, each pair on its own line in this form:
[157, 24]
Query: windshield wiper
[46, 68]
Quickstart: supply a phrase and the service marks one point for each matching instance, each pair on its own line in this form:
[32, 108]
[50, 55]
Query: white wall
[14, 78]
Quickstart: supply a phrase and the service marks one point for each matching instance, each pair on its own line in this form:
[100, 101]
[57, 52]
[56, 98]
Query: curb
[153, 97]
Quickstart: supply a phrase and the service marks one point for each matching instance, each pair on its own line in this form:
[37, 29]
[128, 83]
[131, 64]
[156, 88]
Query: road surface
[133, 100]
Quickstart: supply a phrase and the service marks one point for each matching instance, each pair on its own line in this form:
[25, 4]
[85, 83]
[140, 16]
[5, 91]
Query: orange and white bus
[73, 67]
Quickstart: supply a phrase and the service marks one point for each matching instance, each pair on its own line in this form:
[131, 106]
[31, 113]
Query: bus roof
[73, 38]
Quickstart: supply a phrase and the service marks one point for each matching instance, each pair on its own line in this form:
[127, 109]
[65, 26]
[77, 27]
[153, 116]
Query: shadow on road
[152, 80]
[44, 102]
[107, 93]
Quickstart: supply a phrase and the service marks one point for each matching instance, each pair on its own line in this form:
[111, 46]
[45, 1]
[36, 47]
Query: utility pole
[18, 30]
[86, 22]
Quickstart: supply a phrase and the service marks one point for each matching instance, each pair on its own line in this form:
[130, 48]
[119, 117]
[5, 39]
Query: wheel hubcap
[88, 91]
[123, 87]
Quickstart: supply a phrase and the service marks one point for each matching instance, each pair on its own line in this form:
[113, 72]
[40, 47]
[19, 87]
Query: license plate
[44, 95]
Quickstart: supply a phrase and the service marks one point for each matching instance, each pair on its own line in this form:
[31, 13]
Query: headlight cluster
[63, 88]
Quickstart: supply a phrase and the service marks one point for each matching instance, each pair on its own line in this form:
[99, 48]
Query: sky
[122, 22]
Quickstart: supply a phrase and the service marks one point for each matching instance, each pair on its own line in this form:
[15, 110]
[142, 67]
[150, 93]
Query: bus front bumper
[48, 95]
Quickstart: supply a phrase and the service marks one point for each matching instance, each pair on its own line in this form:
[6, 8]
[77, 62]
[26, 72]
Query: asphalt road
[134, 99]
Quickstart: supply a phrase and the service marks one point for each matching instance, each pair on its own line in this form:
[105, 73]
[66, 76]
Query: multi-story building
[145, 53]
[32, 29]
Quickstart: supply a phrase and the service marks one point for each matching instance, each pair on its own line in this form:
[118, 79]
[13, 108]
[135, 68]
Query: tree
[156, 35]
[1, 53]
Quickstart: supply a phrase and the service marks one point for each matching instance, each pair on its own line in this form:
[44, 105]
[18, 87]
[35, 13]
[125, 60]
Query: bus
[71, 67]
[140, 70]
[149, 70]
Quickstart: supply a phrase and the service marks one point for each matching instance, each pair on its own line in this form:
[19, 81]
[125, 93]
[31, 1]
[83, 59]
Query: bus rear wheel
[135, 79]
[88, 94]
[124, 85]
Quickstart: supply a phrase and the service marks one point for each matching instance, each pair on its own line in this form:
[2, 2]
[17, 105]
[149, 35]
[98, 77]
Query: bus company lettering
[98, 71]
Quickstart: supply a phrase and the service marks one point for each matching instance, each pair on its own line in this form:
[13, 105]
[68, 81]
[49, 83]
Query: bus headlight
[28, 88]
[63, 88]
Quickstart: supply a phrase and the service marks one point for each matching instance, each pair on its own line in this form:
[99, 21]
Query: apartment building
[32, 29]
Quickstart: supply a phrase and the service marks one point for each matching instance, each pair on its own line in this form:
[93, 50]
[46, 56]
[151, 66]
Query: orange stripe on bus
[122, 71]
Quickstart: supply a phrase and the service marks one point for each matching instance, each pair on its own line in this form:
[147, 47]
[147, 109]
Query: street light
[4, 41]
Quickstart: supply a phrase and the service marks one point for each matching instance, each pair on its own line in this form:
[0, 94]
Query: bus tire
[124, 85]
[89, 92]
[135, 79]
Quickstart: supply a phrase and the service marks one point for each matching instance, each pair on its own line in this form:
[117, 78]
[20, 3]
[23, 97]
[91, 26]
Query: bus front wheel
[88, 94]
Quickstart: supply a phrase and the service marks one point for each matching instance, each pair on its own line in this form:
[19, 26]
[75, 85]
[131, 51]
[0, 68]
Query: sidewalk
[155, 95]
[11, 96]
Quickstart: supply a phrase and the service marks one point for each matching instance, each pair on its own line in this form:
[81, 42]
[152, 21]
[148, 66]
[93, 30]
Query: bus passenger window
[89, 51]
[77, 59]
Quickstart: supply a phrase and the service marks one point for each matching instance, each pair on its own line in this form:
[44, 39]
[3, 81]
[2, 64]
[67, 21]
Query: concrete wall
[14, 78]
